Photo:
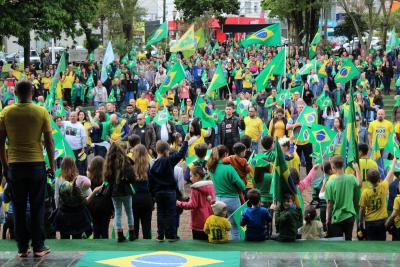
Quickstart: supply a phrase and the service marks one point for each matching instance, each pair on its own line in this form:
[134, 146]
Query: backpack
[101, 205]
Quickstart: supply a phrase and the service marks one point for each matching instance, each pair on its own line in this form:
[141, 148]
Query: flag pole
[237, 210]
[284, 68]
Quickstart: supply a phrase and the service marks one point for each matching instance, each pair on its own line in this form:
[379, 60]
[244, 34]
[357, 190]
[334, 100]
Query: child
[163, 187]
[393, 222]
[291, 157]
[239, 163]
[286, 220]
[217, 226]
[201, 194]
[100, 204]
[176, 141]
[312, 228]
[118, 172]
[255, 218]
[201, 151]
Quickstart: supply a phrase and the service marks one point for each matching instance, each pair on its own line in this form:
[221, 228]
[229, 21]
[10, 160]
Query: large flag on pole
[306, 69]
[108, 59]
[275, 67]
[160, 34]
[218, 80]
[312, 50]
[268, 36]
[200, 36]
[186, 42]
[282, 183]
[175, 75]
[204, 113]
[392, 42]
[347, 72]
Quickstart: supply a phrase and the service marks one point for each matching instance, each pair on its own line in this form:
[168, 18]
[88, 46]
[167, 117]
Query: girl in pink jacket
[201, 195]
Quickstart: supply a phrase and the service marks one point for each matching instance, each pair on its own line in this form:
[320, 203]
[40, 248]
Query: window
[247, 7]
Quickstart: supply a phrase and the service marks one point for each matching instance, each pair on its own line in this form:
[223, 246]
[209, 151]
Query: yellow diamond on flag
[159, 258]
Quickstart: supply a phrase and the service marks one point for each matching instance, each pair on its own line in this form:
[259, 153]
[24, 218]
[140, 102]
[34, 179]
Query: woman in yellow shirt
[197, 136]
[277, 126]
[46, 82]
[237, 74]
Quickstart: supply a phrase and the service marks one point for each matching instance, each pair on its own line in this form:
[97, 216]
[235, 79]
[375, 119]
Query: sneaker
[160, 239]
[177, 238]
[24, 254]
[42, 252]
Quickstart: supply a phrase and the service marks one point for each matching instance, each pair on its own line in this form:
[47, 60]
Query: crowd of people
[123, 158]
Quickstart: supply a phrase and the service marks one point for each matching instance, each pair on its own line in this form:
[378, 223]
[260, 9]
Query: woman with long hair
[227, 184]
[197, 135]
[119, 174]
[142, 200]
[338, 127]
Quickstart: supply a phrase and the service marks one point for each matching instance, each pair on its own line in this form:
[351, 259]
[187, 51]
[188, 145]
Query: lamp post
[175, 21]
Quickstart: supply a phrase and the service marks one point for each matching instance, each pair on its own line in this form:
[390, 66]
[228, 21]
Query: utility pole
[164, 10]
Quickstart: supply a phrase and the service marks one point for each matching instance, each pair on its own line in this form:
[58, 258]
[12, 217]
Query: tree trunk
[298, 26]
[385, 22]
[127, 28]
[348, 12]
[24, 40]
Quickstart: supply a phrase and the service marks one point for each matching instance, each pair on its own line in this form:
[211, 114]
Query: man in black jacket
[145, 132]
[164, 132]
[228, 129]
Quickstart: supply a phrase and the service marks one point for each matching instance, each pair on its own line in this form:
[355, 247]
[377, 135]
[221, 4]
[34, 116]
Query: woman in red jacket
[201, 195]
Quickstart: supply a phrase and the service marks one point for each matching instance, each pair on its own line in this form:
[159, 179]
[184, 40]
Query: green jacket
[227, 182]
[287, 224]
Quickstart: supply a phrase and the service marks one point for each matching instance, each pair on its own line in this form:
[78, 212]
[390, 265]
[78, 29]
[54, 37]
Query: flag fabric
[376, 152]
[275, 67]
[306, 69]
[60, 111]
[269, 36]
[322, 69]
[160, 34]
[312, 50]
[215, 48]
[308, 116]
[392, 42]
[321, 135]
[90, 80]
[388, 163]
[398, 82]
[218, 115]
[298, 89]
[108, 59]
[186, 42]
[258, 160]
[397, 103]
[237, 217]
[282, 183]
[61, 67]
[125, 59]
[111, 97]
[200, 36]
[175, 75]
[347, 72]
[392, 145]
[204, 77]
[324, 101]
[91, 57]
[218, 80]
[161, 117]
[283, 96]
[183, 108]
[265, 130]
[241, 108]
[204, 113]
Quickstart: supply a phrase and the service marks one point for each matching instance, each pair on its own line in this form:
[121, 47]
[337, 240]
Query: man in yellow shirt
[373, 204]
[366, 164]
[381, 129]
[24, 166]
[142, 103]
[254, 128]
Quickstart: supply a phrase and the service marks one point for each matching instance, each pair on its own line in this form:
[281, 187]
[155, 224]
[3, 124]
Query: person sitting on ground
[217, 225]
[312, 229]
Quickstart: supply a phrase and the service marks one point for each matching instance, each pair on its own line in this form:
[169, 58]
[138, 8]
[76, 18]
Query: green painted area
[160, 258]
[191, 245]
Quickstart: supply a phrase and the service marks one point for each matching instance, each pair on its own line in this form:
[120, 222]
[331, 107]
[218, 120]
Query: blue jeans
[239, 86]
[262, 113]
[127, 202]
[129, 95]
[232, 204]
[315, 89]
[166, 214]
[28, 179]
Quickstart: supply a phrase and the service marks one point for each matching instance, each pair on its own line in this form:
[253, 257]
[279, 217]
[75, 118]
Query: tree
[193, 9]
[353, 8]
[120, 15]
[386, 7]
[47, 18]
[372, 19]
[347, 28]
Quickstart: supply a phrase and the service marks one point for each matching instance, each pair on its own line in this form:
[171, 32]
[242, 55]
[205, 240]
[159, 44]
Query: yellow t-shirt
[68, 80]
[279, 129]
[373, 199]
[46, 83]
[254, 127]
[238, 75]
[246, 81]
[217, 229]
[365, 165]
[380, 130]
[24, 124]
[294, 163]
[17, 74]
[200, 140]
[396, 206]
[142, 104]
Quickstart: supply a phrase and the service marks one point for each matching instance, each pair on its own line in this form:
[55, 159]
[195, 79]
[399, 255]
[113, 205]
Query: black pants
[100, 228]
[199, 235]
[28, 179]
[395, 233]
[166, 214]
[376, 230]
[307, 151]
[67, 96]
[100, 151]
[142, 206]
[81, 165]
[68, 236]
[8, 226]
[344, 227]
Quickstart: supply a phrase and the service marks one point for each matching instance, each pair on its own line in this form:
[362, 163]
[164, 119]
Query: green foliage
[193, 9]
[346, 28]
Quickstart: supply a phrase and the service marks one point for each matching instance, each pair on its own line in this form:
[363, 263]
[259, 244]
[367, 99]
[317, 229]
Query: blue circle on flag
[343, 72]
[305, 134]
[208, 111]
[159, 260]
[163, 116]
[320, 136]
[311, 117]
[167, 80]
[262, 34]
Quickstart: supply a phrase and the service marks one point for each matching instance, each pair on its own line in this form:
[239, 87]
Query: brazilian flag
[312, 50]
[308, 116]
[275, 67]
[347, 72]
[204, 113]
[268, 36]
[160, 34]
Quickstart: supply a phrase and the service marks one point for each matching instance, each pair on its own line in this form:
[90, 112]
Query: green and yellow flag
[275, 67]
[186, 42]
[347, 72]
[200, 36]
[175, 75]
[322, 69]
[269, 36]
[312, 50]
[308, 116]
[306, 69]
[324, 101]
[204, 113]
[218, 80]
[160, 34]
